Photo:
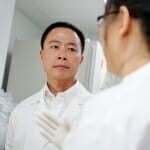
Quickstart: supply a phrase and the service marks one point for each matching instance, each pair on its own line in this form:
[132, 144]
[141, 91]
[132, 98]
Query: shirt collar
[68, 94]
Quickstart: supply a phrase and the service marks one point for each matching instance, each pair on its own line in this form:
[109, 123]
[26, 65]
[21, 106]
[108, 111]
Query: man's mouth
[61, 66]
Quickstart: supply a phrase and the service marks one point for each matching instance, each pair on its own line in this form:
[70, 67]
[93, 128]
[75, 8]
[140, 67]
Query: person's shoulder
[26, 103]
[103, 96]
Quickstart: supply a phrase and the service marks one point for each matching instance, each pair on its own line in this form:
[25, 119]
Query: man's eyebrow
[54, 41]
[69, 43]
[72, 43]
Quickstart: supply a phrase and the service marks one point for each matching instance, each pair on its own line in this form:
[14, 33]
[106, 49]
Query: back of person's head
[65, 25]
[139, 9]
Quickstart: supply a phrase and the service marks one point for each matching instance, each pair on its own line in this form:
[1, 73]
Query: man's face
[61, 55]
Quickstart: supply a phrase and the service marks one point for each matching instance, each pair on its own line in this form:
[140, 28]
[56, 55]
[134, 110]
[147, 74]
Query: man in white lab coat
[62, 46]
[119, 117]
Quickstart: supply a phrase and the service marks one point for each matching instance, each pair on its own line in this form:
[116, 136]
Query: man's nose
[62, 54]
[63, 58]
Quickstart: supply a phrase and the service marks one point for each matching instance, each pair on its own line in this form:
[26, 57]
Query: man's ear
[82, 57]
[125, 20]
[41, 54]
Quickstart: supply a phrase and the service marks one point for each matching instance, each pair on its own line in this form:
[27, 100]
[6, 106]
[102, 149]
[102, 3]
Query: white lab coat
[23, 132]
[117, 118]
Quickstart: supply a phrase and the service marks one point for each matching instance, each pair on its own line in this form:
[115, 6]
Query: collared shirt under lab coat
[116, 119]
[23, 132]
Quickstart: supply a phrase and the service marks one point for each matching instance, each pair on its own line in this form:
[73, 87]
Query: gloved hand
[52, 127]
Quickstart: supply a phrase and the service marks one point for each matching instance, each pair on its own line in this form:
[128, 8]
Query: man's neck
[56, 86]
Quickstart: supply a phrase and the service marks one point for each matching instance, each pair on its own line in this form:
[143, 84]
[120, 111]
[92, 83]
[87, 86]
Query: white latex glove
[52, 127]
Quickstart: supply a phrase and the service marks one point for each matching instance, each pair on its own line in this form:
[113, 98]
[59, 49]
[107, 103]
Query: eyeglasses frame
[103, 16]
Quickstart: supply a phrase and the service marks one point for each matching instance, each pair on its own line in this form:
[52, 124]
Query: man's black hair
[65, 25]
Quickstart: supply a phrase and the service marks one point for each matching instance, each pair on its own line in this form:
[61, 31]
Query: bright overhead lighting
[105, 1]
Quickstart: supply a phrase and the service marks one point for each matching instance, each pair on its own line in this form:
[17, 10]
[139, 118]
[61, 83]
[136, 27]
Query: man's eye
[54, 46]
[72, 49]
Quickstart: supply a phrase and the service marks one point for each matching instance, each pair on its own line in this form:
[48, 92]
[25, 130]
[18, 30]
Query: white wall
[6, 15]
[23, 28]
[26, 72]
[93, 36]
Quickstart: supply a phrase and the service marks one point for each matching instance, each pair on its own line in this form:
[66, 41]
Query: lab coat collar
[71, 91]
[41, 95]
[67, 95]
